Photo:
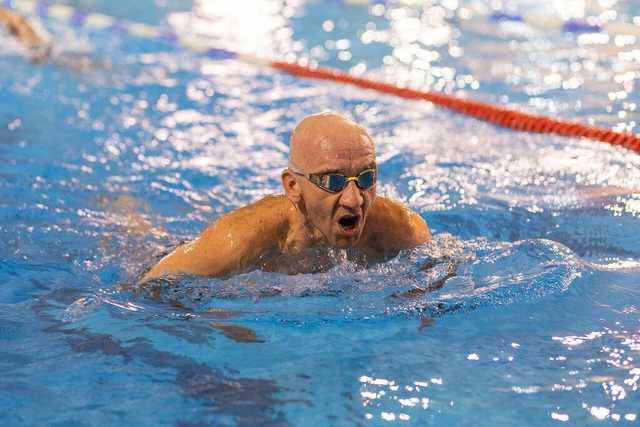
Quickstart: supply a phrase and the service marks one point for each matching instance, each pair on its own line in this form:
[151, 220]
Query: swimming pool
[104, 171]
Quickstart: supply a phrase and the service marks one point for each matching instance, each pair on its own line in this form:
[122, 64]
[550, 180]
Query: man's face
[339, 217]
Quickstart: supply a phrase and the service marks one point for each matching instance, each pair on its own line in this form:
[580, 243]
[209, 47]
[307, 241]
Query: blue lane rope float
[539, 21]
[99, 21]
[497, 115]
[547, 22]
[570, 26]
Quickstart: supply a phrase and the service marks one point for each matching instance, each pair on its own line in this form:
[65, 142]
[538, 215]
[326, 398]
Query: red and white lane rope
[497, 115]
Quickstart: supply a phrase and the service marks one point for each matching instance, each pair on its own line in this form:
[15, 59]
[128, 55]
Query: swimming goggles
[335, 182]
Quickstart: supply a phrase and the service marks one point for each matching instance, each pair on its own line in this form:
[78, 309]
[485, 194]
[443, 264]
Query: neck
[302, 233]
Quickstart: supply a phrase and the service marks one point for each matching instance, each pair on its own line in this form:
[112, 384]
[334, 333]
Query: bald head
[329, 141]
[324, 144]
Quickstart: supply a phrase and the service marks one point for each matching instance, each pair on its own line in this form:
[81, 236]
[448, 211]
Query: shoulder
[274, 207]
[231, 244]
[263, 219]
[395, 226]
[5, 15]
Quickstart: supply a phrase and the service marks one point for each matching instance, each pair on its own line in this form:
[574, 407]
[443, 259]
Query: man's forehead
[328, 141]
[347, 154]
[345, 149]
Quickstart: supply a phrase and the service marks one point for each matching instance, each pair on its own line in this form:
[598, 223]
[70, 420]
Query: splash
[445, 275]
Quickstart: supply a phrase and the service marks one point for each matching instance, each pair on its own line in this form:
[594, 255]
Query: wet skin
[297, 231]
[40, 48]
[20, 28]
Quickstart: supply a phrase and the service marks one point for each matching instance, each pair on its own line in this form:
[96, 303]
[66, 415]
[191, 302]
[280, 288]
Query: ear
[291, 187]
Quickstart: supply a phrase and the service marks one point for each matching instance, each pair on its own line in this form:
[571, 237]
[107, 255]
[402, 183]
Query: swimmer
[40, 49]
[329, 203]
[18, 26]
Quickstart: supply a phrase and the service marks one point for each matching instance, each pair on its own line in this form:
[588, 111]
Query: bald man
[329, 203]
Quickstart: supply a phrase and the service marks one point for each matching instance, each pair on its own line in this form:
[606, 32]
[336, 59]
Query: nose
[351, 196]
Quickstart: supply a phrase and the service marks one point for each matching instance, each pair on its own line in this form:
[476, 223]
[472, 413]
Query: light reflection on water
[148, 150]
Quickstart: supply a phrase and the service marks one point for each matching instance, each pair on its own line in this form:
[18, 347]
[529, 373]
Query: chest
[309, 260]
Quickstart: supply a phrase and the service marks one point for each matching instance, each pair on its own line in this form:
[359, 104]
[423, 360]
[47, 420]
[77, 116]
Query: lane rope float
[497, 115]
[535, 20]
[494, 114]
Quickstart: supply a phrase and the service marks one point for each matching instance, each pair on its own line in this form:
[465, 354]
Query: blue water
[105, 169]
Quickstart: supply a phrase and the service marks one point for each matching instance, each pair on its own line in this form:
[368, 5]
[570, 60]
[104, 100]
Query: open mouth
[349, 222]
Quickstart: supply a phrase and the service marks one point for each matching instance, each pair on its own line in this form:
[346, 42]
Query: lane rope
[494, 114]
[535, 20]
[552, 23]
[497, 115]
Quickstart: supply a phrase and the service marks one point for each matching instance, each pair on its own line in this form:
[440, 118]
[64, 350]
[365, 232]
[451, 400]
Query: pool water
[107, 167]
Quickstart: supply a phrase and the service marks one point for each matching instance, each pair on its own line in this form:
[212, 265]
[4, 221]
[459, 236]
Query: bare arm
[19, 27]
[231, 244]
